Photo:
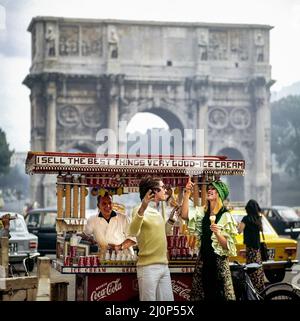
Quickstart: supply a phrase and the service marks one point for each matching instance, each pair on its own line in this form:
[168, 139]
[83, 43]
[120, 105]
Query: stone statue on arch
[50, 39]
[113, 42]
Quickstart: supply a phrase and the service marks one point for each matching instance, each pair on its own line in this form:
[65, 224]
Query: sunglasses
[158, 189]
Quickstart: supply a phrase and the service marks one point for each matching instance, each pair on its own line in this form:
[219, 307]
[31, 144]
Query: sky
[15, 45]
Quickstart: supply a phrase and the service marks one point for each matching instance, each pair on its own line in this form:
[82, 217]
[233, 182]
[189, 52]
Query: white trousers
[155, 283]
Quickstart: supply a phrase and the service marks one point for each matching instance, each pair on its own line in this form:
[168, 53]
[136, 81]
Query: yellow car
[282, 251]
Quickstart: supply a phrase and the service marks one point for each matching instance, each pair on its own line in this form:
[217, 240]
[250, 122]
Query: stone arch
[236, 183]
[78, 147]
[161, 108]
[170, 118]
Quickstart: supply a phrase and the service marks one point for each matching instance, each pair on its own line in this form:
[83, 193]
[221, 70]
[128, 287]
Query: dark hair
[254, 212]
[148, 183]
[105, 195]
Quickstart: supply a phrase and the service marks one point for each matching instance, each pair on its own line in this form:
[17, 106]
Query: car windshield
[266, 226]
[34, 220]
[288, 214]
[17, 225]
[49, 219]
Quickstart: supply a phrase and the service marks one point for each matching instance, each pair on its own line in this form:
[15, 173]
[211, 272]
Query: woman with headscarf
[251, 225]
[216, 230]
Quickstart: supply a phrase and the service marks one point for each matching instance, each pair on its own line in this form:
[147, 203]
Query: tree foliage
[5, 153]
[285, 117]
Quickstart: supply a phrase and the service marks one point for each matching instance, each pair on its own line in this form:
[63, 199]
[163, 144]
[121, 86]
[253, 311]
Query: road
[291, 276]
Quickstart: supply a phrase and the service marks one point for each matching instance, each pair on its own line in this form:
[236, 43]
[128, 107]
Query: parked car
[284, 219]
[21, 243]
[42, 223]
[282, 251]
[297, 210]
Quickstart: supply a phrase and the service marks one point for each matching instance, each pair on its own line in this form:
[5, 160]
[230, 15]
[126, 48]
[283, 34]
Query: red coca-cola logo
[181, 289]
[106, 290]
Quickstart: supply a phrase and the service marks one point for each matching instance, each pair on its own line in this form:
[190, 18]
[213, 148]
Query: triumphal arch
[90, 74]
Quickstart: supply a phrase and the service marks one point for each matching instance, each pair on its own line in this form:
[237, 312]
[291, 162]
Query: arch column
[48, 181]
[50, 144]
[262, 150]
[114, 85]
[198, 90]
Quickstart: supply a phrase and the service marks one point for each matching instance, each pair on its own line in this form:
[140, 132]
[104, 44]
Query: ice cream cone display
[212, 219]
[71, 192]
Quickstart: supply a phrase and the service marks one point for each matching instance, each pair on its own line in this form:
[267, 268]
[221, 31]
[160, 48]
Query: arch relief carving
[218, 118]
[92, 117]
[240, 118]
[68, 116]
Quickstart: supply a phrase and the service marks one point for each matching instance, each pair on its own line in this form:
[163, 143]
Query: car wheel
[274, 276]
[30, 265]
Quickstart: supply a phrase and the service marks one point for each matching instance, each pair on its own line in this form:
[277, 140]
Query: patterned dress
[212, 278]
[252, 242]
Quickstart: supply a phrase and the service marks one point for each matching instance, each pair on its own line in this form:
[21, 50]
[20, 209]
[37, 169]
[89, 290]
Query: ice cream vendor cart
[100, 278]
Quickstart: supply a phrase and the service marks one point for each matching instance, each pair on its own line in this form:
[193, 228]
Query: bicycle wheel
[30, 265]
[282, 295]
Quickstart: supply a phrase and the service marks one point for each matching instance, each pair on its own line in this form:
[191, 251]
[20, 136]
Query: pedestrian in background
[251, 226]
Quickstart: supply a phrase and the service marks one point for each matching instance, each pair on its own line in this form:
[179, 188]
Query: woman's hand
[175, 214]
[189, 185]
[221, 239]
[215, 229]
[186, 197]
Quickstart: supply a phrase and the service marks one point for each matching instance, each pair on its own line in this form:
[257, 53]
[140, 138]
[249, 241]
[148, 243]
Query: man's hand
[115, 247]
[123, 246]
[150, 196]
[88, 238]
[5, 221]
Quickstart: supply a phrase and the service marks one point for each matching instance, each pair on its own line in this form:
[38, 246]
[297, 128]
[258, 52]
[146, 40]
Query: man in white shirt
[108, 227]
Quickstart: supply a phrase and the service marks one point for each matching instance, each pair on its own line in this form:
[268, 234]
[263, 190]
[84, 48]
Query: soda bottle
[73, 245]
[107, 258]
